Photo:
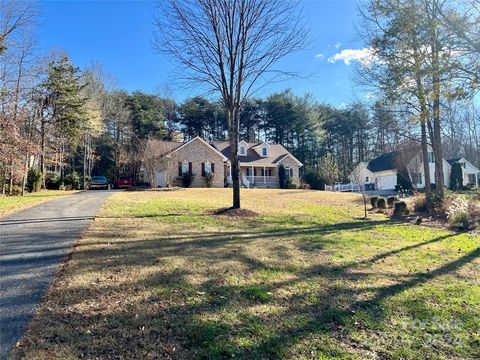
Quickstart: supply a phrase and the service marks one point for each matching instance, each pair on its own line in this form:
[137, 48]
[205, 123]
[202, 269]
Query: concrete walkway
[33, 243]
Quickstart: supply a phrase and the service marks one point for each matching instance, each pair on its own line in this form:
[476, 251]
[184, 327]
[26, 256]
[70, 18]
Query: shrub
[419, 204]
[314, 180]
[291, 183]
[53, 181]
[187, 179]
[382, 203]
[34, 179]
[400, 208]
[304, 185]
[73, 179]
[462, 214]
[456, 176]
[391, 201]
[476, 195]
[373, 201]
[209, 179]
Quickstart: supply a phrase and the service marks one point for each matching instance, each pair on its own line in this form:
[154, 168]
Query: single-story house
[471, 174]
[165, 162]
[260, 163]
[384, 173]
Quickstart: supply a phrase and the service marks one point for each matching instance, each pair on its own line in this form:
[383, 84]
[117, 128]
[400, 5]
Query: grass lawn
[157, 277]
[11, 204]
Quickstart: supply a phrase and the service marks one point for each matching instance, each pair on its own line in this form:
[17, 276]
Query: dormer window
[264, 151]
[242, 150]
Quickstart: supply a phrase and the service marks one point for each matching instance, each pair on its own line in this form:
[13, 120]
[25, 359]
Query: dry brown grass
[156, 276]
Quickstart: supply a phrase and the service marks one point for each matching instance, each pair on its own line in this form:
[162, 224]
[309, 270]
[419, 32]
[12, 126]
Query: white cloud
[364, 56]
[337, 45]
[320, 56]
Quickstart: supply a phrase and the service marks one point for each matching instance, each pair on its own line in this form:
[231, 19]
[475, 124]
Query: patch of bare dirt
[240, 213]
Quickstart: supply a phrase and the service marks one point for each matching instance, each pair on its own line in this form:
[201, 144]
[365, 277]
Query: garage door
[160, 178]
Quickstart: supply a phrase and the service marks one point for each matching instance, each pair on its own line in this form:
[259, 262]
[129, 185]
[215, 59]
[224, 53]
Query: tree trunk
[426, 166]
[10, 184]
[42, 152]
[437, 136]
[234, 161]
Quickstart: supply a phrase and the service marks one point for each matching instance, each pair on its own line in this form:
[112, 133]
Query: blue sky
[116, 34]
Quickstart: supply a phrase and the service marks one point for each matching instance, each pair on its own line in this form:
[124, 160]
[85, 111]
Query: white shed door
[160, 178]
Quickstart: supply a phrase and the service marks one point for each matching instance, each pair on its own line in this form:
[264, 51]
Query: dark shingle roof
[384, 162]
[276, 153]
[453, 161]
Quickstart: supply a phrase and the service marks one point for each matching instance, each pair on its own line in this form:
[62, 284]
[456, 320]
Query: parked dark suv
[98, 182]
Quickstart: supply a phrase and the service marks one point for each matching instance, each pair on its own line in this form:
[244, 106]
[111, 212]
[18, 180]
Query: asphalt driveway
[33, 243]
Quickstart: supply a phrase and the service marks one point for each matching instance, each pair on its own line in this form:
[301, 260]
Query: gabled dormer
[263, 149]
[242, 148]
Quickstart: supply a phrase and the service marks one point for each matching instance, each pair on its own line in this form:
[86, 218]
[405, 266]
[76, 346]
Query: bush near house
[373, 201]
[291, 183]
[463, 214]
[187, 179]
[381, 203]
[391, 201]
[400, 208]
[419, 204]
[208, 179]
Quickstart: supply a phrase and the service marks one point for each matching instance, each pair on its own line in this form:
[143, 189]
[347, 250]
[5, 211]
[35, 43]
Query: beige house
[260, 163]
[165, 163]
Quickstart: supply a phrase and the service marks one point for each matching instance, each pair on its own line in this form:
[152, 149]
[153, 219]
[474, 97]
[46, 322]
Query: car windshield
[99, 178]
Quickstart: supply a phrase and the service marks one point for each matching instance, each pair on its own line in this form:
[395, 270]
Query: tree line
[65, 120]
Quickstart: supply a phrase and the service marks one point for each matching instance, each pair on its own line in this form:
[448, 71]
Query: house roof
[453, 161]
[277, 153]
[163, 148]
[384, 162]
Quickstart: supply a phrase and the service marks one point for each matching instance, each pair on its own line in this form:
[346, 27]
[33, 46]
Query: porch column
[253, 178]
[264, 177]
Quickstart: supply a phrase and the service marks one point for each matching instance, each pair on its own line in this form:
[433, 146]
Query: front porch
[256, 176]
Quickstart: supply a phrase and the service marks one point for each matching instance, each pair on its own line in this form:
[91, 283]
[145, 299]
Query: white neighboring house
[383, 171]
[471, 175]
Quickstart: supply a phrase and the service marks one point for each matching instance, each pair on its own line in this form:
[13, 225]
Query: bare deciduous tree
[228, 47]
[357, 178]
[156, 157]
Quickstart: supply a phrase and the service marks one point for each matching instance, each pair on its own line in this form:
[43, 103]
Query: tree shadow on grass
[213, 318]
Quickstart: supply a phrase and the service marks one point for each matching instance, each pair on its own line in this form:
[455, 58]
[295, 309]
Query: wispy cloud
[364, 56]
[320, 56]
[337, 45]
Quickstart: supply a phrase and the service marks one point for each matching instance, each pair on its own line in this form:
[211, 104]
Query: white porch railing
[262, 179]
[342, 187]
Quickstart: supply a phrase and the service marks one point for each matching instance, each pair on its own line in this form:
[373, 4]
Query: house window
[420, 178]
[366, 179]
[431, 157]
[288, 171]
[242, 150]
[185, 167]
[208, 168]
[264, 151]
